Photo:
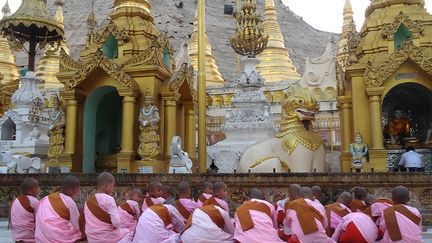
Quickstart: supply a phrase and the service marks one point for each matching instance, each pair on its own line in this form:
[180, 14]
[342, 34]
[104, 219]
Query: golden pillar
[375, 117]
[202, 146]
[190, 132]
[125, 157]
[71, 124]
[346, 108]
[170, 105]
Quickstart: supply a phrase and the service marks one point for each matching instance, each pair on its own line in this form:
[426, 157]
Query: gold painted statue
[149, 124]
[359, 152]
[296, 146]
[398, 128]
[56, 130]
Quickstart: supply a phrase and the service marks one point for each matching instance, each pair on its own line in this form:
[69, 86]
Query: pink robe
[363, 223]
[265, 228]
[189, 205]
[222, 203]
[293, 223]
[377, 209]
[206, 195]
[50, 227]
[159, 200]
[411, 233]
[203, 230]
[101, 232]
[23, 222]
[128, 221]
[151, 228]
[335, 219]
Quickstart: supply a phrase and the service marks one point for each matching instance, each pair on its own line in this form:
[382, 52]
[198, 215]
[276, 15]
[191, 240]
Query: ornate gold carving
[263, 159]
[414, 26]
[184, 74]
[249, 38]
[103, 34]
[353, 42]
[153, 55]
[310, 140]
[6, 92]
[376, 76]
[67, 63]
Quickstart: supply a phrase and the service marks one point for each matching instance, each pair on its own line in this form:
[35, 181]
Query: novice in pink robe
[129, 210]
[206, 193]
[209, 224]
[336, 211]
[160, 223]
[362, 222]
[154, 195]
[308, 206]
[23, 211]
[185, 205]
[57, 217]
[102, 218]
[378, 207]
[255, 220]
[402, 223]
[220, 194]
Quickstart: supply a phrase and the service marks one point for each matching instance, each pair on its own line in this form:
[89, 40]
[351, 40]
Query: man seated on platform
[398, 128]
[358, 204]
[23, 211]
[129, 210]
[336, 211]
[255, 220]
[159, 223]
[209, 224]
[206, 192]
[219, 197]
[184, 204]
[411, 160]
[154, 195]
[306, 219]
[356, 228]
[401, 223]
[101, 214]
[57, 218]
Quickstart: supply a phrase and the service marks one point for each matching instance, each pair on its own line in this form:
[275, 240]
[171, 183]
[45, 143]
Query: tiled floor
[5, 236]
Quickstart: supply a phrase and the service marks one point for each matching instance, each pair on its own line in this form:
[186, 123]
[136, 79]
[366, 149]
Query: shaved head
[400, 195]
[359, 193]
[104, 179]
[184, 188]
[153, 184]
[207, 185]
[218, 186]
[256, 194]
[136, 192]
[345, 198]
[306, 192]
[370, 199]
[293, 191]
[70, 182]
[28, 183]
[316, 191]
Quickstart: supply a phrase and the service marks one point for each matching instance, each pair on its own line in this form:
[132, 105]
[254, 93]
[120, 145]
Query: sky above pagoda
[321, 14]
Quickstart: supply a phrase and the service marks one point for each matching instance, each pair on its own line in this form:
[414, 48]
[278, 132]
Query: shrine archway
[415, 102]
[102, 128]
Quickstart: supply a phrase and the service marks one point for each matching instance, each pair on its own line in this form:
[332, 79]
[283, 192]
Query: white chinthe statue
[180, 162]
[21, 164]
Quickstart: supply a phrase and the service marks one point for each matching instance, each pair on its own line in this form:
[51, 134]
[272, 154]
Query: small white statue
[359, 152]
[21, 163]
[180, 162]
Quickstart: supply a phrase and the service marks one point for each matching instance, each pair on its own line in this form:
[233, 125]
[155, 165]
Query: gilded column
[127, 143]
[190, 130]
[170, 104]
[71, 126]
[346, 107]
[375, 116]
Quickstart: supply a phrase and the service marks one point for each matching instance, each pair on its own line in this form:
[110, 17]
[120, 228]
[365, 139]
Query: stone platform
[275, 186]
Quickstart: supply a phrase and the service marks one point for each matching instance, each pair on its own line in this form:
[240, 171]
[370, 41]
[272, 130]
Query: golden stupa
[275, 64]
[213, 76]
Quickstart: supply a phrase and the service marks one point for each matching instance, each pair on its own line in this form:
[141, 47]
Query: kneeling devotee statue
[398, 128]
[56, 130]
[180, 162]
[359, 152]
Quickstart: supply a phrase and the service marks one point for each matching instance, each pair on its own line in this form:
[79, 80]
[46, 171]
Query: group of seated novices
[355, 217]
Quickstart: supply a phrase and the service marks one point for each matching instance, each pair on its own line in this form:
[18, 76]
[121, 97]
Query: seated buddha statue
[398, 128]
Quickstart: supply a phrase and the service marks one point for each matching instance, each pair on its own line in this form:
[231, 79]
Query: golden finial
[92, 25]
[249, 38]
[6, 10]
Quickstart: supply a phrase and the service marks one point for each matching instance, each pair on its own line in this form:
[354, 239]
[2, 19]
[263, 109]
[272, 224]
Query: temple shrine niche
[385, 91]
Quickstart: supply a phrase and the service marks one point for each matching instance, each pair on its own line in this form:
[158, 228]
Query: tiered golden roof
[213, 76]
[249, 38]
[342, 53]
[275, 64]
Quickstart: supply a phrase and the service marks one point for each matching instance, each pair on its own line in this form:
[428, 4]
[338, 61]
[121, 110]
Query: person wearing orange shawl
[23, 210]
[209, 224]
[356, 228]
[336, 211]
[255, 220]
[358, 203]
[57, 218]
[293, 194]
[219, 198]
[184, 204]
[206, 192]
[129, 210]
[102, 220]
[306, 219]
[154, 195]
[402, 223]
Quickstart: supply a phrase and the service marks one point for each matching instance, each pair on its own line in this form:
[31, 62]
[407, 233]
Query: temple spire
[59, 12]
[213, 75]
[348, 21]
[276, 64]
[6, 9]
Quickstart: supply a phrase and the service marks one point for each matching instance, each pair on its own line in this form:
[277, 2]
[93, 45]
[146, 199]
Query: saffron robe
[217, 202]
[22, 218]
[150, 201]
[335, 212]
[186, 207]
[203, 197]
[410, 231]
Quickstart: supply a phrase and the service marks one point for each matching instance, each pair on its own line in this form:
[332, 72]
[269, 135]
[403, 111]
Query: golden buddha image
[398, 128]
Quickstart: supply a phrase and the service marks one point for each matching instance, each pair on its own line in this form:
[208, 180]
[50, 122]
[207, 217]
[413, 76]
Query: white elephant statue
[180, 162]
[8, 164]
[21, 164]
